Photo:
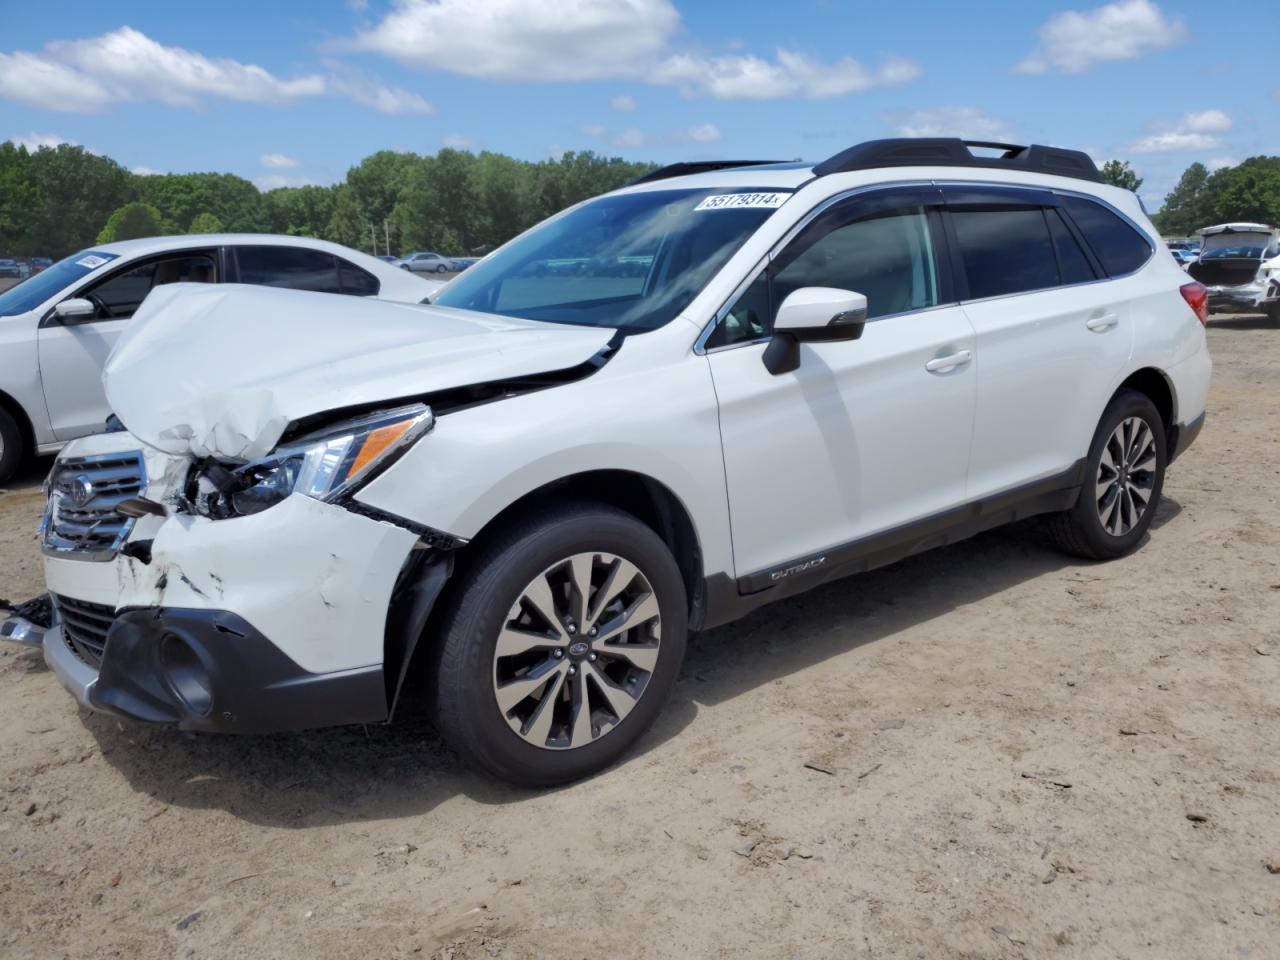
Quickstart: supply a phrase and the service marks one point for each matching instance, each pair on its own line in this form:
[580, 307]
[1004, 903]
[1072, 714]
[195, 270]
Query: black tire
[12, 447]
[1080, 530]
[466, 711]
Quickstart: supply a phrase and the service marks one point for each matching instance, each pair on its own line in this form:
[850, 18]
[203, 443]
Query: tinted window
[888, 259]
[1005, 251]
[1072, 262]
[357, 282]
[120, 295]
[296, 268]
[39, 287]
[1119, 247]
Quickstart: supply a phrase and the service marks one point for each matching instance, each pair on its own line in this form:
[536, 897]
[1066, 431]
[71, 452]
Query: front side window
[295, 268]
[1119, 248]
[630, 261]
[1005, 251]
[120, 295]
[39, 287]
[888, 257]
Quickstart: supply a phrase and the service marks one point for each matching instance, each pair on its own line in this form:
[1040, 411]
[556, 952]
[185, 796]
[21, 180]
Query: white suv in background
[57, 326]
[770, 376]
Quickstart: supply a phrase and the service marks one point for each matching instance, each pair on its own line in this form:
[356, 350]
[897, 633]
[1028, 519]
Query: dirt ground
[986, 751]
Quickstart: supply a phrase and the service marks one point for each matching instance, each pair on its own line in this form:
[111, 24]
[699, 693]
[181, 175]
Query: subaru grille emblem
[82, 490]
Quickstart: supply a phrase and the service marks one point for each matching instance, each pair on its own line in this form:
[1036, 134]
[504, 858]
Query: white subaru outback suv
[756, 378]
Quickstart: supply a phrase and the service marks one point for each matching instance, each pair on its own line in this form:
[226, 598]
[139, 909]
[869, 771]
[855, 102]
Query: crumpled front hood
[223, 370]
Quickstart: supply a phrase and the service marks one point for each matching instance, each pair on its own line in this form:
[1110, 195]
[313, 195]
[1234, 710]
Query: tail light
[1197, 297]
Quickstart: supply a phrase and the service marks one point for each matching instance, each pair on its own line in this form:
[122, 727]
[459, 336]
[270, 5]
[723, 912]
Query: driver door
[73, 351]
[865, 435]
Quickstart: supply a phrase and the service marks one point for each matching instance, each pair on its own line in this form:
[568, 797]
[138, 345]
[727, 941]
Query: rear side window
[1005, 251]
[295, 268]
[1072, 262]
[1118, 247]
[357, 282]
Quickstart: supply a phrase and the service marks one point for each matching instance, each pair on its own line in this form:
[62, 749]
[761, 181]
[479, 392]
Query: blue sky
[286, 93]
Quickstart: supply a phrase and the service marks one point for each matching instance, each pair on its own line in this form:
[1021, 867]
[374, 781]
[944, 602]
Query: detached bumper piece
[209, 670]
[28, 622]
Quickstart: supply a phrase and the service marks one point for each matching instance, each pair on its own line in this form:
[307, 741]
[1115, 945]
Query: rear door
[1052, 333]
[72, 352]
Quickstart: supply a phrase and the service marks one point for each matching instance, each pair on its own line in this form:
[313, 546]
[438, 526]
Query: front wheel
[561, 645]
[1124, 476]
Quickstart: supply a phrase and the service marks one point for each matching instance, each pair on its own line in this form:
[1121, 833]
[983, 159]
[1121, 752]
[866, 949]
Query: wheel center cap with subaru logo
[81, 490]
[578, 649]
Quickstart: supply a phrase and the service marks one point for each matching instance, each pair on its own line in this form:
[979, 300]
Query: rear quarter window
[1119, 248]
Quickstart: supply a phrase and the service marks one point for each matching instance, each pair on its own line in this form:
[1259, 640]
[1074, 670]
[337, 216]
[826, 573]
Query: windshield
[39, 287]
[632, 261]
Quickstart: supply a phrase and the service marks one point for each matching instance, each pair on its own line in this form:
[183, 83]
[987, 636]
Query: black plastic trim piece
[728, 600]
[1182, 436]
[254, 687]
[690, 168]
[429, 536]
[955, 152]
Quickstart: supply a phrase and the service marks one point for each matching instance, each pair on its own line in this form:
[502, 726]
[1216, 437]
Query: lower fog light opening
[186, 675]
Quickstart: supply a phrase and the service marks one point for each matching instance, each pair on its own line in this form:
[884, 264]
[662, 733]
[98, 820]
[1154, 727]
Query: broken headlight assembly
[325, 465]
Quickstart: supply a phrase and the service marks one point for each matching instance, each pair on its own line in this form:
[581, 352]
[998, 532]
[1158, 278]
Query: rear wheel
[561, 647]
[11, 446]
[1124, 476]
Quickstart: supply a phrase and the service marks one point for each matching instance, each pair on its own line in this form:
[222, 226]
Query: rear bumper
[1183, 435]
[209, 670]
[1245, 298]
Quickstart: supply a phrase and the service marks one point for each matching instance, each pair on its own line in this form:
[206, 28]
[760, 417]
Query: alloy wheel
[577, 651]
[1126, 476]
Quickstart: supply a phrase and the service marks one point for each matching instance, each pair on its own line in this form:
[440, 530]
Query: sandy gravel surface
[1009, 754]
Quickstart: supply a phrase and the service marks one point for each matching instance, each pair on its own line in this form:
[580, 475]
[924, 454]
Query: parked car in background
[57, 327]
[1184, 256]
[40, 263]
[1240, 265]
[9, 268]
[388, 258]
[825, 368]
[461, 263]
[425, 263]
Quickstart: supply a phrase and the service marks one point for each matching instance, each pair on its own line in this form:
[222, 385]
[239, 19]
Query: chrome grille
[81, 519]
[84, 627]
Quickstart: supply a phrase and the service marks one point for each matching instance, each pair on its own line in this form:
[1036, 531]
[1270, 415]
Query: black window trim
[210, 251]
[947, 278]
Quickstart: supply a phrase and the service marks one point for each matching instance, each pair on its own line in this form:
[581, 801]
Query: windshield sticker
[736, 201]
[92, 261]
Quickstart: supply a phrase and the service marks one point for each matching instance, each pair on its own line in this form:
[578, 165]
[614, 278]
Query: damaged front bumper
[303, 615]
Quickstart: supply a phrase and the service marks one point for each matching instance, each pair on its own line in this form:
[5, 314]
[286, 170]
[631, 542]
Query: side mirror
[813, 315]
[77, 308]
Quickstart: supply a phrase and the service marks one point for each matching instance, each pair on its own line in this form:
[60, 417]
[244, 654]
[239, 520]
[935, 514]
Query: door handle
[1103, 323]
[948, 363]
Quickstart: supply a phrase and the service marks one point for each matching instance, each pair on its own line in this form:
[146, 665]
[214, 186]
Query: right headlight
[324, 465]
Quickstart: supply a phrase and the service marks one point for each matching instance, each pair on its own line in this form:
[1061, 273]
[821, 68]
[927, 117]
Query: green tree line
[57, 200]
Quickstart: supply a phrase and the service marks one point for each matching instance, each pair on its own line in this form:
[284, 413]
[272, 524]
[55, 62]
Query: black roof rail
[955, 152]
[697, 166]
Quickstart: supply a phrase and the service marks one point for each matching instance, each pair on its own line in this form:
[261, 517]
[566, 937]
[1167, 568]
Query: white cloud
[634, 137]
[1075, 41]
[273, 181]
[968, 122]
[1194, 131]
[127, 65]
[705, 133]
[1218, 163]
[524, 39]
[459, 142]
[748, 77]
[623, 103]
[34, 141]
[602, 39]
[146, 171]
[278, 161]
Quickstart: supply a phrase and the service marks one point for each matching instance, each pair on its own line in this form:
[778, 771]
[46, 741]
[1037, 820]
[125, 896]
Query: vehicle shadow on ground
[1251, 321]
[358, 774]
